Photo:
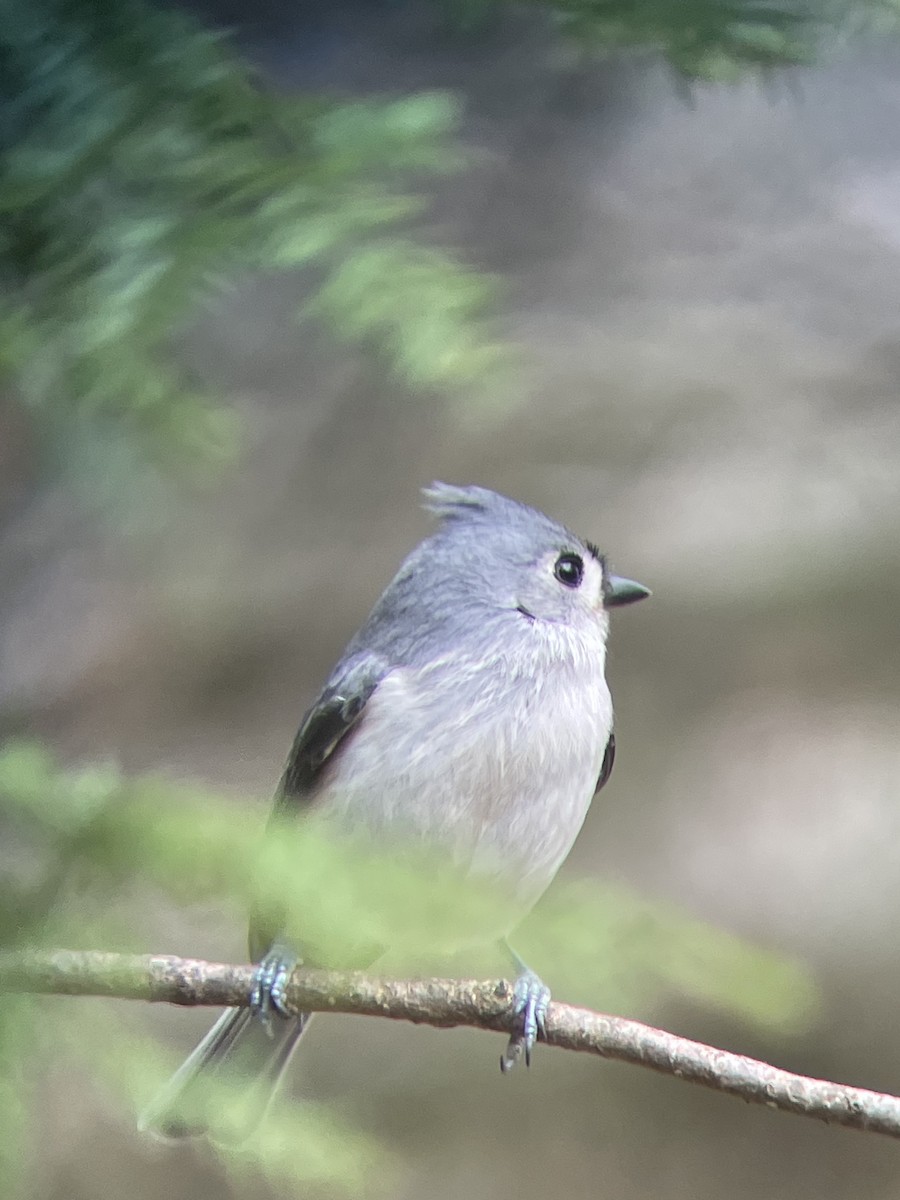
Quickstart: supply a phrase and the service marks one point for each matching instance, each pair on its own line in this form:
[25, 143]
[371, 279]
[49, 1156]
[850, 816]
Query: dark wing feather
[322, 731]
[609, 757]
[327, 723]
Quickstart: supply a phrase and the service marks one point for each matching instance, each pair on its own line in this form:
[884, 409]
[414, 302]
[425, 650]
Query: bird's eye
[569, 569]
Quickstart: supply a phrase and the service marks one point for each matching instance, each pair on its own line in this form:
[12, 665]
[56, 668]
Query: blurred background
[700, 282]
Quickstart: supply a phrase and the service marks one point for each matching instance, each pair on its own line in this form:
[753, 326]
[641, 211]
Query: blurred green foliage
[17, 1016]
[90, 845]
[143, 168]
[299, 1145]
[706, 40]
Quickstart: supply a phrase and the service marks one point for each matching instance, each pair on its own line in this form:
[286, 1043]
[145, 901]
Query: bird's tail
[226, 1084]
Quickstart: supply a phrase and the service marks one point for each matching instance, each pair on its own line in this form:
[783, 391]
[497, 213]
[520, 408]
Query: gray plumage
[470, 713]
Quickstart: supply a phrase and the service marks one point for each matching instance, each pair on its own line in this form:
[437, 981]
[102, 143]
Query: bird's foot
[270, 980]
[531, 999]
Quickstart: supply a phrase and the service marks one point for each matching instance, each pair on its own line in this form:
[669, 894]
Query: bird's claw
[267, 997]
[531, 999]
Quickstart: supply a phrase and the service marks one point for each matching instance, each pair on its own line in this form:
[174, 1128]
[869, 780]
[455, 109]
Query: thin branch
[446, 1002]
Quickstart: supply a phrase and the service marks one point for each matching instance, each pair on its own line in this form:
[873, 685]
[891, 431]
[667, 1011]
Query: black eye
[569, 569]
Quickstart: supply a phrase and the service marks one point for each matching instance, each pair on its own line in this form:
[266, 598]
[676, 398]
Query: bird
[469, 714]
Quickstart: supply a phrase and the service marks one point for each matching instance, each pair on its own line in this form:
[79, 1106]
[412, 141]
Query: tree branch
[447, 1002]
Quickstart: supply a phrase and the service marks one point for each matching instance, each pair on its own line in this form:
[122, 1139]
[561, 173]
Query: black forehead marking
[599, 558]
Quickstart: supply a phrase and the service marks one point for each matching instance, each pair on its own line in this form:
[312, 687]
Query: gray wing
[609, 757]
[323, 729]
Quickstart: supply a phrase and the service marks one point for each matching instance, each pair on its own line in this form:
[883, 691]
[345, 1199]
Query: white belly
[496, 762]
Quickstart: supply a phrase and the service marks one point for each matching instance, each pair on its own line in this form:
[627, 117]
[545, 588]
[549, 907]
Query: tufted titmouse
[470, 713]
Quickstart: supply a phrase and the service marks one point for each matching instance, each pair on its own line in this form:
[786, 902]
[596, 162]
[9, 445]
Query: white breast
[496, 758]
